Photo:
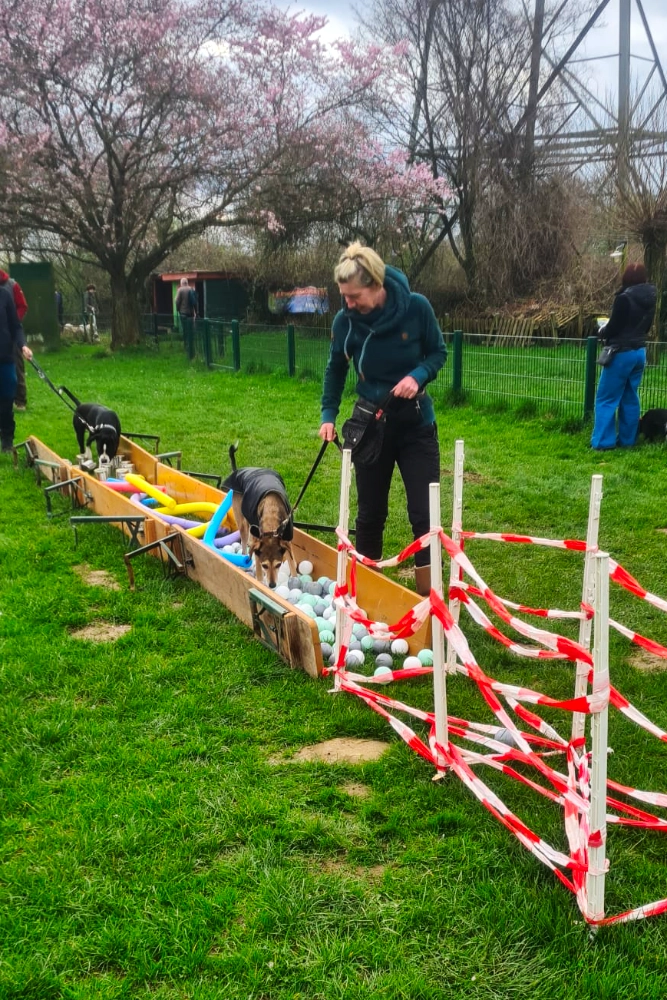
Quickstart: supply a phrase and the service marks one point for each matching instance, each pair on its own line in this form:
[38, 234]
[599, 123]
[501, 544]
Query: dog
[263, 517]
[653, 425]
[102, 426]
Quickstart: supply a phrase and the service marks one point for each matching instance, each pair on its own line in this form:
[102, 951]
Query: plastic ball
[411, 663]
[329, 613]
[313, 588]
[324, 582]
[321, 623]
[383, 672]
[327, 650]
[304, 579]
[367, 642]
[305, 566]
[320, 607]
[354, 658]
[359, 631]
[425, 657]
[282, 592]
[308, 599]
[293, 582]
[327, 636]
[354, 644]
[332, 660]
[332, 587]
[294, 596]
[399, 647]
[381, 646]
[505, 736]
[384, 660]
[307, 610]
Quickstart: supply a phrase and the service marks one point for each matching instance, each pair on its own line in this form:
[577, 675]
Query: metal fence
[556, 375]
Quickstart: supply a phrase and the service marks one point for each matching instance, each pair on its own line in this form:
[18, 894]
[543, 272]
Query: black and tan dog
[263, 517]
[102, 427]
[653, 425]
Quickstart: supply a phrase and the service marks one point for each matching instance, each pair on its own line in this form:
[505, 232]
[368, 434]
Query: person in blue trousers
[630, 321]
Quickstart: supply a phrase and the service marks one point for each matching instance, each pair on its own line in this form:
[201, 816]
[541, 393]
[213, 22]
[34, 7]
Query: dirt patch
[663, 531]
[468, 477]
[339, 751]
[101, 632]
[177, 605]
[647, 663]
[356, 790]
[96, 577]
[405, 573]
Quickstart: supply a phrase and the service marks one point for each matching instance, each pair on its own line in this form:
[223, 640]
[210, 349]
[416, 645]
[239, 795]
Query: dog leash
[59, 392]
[320, 456]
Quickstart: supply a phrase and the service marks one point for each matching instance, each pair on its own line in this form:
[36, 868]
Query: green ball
[327, 636]
[322, 624]
[308, 599]
[367, 642]
[307, 610]
[425, 657]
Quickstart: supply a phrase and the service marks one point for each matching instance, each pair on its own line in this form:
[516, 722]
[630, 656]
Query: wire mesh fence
[555, 375]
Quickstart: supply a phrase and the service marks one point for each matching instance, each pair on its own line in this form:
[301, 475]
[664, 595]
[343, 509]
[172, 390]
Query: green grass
[150, 847]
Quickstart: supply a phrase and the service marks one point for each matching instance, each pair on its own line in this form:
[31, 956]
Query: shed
[221, 294]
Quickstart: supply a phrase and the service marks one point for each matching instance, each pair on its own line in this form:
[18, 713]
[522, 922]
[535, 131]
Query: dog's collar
[101, 427]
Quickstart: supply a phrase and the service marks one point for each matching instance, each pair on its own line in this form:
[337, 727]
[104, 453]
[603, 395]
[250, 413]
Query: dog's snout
[272, 585]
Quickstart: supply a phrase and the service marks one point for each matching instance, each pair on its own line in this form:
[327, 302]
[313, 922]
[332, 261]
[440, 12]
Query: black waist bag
[363, 431]
[607, 354]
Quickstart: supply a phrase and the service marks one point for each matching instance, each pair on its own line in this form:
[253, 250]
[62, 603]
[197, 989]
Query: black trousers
[416, 453]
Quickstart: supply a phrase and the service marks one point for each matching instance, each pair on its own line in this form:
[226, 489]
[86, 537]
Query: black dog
[653, 425]
[102, 426]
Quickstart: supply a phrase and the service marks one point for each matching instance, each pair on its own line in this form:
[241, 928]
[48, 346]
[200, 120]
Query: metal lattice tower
[592, 132]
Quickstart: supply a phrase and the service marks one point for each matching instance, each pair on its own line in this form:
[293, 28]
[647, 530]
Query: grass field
[156, 840]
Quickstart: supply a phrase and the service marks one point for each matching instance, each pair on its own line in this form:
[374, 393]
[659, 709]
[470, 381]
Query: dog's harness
[98, 427]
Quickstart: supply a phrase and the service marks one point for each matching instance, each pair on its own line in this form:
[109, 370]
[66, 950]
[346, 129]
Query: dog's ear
[286, 549]
[254, 531]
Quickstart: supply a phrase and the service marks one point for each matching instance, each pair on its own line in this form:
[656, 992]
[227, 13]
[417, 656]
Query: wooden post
[587, 597]
[439, 665]
[457, 525]
[341, 565]
[598, 813]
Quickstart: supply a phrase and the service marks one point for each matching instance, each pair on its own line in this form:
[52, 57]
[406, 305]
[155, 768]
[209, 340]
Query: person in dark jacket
[11, 338]
[630, 321]
[393, 339]
[21, 398]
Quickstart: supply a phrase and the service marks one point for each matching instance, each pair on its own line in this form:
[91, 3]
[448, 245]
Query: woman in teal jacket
[393, 339]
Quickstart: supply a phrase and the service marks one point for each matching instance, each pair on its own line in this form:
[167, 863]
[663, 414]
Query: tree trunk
[125, 314]
[654, 261]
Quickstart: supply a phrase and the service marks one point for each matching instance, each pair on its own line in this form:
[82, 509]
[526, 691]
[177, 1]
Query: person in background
[90, 313]
[59, 309]
[186, 307]
[21, 400]
[11, 340]
[630, 321]
[393, 338]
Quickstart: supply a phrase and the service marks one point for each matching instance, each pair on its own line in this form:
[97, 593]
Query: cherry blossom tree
[129, 126]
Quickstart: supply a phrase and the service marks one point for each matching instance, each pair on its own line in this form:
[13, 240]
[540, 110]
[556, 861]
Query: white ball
[283, 592]
[355, 656]
[328, 612]
[411, 662]
[305, 566]
[399, 647]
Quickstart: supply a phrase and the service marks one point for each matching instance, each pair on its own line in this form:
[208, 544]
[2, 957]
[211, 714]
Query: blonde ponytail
[361, 264]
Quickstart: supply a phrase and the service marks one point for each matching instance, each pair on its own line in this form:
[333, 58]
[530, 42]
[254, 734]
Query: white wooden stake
[599, 723]
[341, 566]
[587, 597]
[455, 572]
[439, 666]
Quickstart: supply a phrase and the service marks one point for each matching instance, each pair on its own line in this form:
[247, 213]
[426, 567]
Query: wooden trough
[276, 622]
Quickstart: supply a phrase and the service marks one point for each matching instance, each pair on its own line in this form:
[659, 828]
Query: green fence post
[291, 351]
[207, 343]
[589, 383]
[236, 345]
[457, 363]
